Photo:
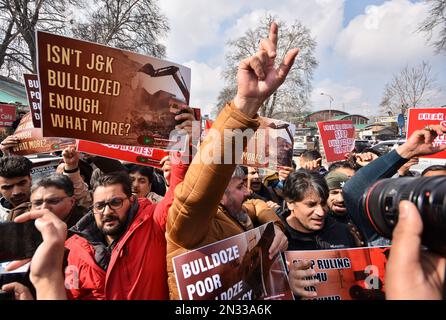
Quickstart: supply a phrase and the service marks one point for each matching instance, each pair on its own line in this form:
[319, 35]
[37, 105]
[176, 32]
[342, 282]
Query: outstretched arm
[420, 143]
[197, 198]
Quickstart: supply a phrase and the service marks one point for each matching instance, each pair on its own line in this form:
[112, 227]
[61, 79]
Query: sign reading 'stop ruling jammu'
[107, 95]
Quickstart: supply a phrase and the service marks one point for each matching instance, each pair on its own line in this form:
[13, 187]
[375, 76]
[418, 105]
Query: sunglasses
[113, 204]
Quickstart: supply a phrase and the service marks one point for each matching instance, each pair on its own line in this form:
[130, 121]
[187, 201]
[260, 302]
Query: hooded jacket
[131, 268]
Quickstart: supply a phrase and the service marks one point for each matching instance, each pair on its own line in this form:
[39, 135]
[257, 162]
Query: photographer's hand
[410, 273]
[46, 264]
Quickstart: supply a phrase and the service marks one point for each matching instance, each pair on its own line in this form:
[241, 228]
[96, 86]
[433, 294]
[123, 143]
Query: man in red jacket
[118, 250]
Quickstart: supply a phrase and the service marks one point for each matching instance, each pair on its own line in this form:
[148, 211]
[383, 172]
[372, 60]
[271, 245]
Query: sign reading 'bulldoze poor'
[237, 268]
[346, 274]
[32, 142]
[102, 94]
[338, 138]
[420, 118]
[33, 93]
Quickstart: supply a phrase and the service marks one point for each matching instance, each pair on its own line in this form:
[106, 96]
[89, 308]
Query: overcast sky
[360, 45]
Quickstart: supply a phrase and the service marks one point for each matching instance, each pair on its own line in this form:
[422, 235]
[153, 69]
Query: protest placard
[346, 274]
[237, 268]
[271, 145]
[107, 95]
[419, 118]
[32, 142]
[7, 115]
[33, 94]
[140, 155]
[338, 138]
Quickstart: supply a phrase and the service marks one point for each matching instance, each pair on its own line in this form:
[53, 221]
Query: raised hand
[365, 158]
[257, 76]
[8, 143]
[70, 158]
[421, 142]
[312, 164]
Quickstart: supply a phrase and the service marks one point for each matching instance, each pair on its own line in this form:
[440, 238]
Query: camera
[381, 202]
[18, 240]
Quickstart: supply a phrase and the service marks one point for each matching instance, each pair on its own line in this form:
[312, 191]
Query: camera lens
[428, 194]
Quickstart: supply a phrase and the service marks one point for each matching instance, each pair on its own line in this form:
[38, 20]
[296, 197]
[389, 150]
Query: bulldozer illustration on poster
[155, 116]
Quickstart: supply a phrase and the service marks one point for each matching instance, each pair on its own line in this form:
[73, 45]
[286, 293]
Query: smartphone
[18, 241]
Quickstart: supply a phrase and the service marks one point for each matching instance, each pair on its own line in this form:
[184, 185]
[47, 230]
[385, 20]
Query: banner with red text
[346, 274]
[107, 95]
[32, 142]
[7, 115]
[419, 118]
[140, 155]
[237, 268]
[33, 94]
[338, 138]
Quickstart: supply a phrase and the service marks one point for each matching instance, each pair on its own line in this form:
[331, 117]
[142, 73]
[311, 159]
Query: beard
[112, 226]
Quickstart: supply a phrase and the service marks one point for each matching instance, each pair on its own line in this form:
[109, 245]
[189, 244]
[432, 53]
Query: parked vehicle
[305, 139]
[360, 145]
[386, 146]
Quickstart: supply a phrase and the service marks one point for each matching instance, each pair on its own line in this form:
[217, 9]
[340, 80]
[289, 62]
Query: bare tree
[128, 24]
[226, 94]
[289, 101]
[8, 32]
[407, 89]
[27, 16]
[436, 21]
[133, 25]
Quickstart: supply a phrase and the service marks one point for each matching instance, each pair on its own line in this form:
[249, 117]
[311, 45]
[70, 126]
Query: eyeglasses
[50, 201]
[113, 204]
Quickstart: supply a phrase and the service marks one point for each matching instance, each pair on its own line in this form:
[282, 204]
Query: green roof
[361, 126]
[12, 91]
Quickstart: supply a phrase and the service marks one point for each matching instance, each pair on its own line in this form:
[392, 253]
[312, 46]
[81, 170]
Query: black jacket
[334, 235]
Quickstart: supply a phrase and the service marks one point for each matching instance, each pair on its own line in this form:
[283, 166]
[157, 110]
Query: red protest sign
[33, 94]
[338, 138]
[235, 268]
[419, 118]
[7, 115]
[140, 155]
[346, 274]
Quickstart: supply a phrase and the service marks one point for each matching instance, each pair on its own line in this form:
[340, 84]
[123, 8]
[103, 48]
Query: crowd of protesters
[118, 226]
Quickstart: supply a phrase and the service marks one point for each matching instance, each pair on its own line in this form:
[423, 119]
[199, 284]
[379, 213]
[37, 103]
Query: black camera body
[18, 240]
[381, 202]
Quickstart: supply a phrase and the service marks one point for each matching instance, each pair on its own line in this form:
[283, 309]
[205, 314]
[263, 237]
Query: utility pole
[331, 100]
